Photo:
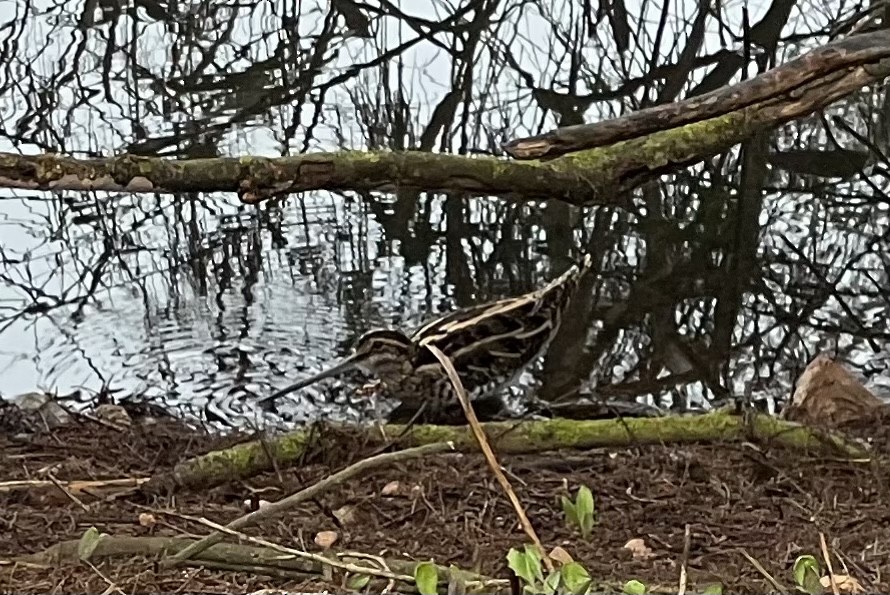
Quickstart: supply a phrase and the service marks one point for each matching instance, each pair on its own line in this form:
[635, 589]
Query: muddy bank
[736, 498]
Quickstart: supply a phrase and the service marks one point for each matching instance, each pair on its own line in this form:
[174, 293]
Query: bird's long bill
[344, 366]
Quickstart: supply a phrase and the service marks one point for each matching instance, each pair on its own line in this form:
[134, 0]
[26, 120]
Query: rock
[393, 488]
[639, 549]
[252, 504]
[346, 514]
[828, 394]
[43, 406]
[325, 539]
[114, 414]
[147, 519]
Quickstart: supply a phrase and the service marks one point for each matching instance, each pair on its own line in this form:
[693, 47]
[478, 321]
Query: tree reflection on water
[723, 279]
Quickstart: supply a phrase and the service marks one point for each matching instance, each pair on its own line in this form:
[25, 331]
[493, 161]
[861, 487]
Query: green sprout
[580, 512]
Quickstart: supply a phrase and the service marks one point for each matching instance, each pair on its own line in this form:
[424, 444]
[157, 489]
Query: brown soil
[769, 503]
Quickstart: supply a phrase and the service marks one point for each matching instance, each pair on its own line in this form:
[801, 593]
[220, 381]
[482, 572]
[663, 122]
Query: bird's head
[381, 353]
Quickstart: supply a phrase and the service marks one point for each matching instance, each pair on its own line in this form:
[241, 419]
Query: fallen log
[785, 83]
[246, 558]
[640, 146]
[511, 437]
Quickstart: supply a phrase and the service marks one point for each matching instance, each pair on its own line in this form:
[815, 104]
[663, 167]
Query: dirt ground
[737, 499]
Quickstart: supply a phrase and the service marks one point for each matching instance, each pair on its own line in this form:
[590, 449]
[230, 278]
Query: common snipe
[489, 345]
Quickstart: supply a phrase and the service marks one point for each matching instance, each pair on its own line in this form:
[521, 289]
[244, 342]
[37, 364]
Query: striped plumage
[489, 346]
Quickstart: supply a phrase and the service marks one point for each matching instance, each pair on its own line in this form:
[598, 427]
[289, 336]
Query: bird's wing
[498, 335]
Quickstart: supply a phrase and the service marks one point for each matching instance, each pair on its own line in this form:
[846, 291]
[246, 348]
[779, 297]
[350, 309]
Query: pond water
[731, 275]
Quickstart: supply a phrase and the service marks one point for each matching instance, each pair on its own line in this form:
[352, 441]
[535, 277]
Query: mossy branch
[627, 151]
[774, 96]
[251, 458]
[265, 561]
[238, 557]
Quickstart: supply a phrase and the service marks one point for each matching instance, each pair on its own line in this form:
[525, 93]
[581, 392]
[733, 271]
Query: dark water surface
[733, 274]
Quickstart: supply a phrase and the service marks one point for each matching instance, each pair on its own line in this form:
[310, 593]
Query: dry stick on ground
[384, 571]
[112, 587]
[238, 557]
[74, 487]
[327, 561]
[312, 491]
[318, 558]
[759, 567]
[687, 539]
[827, 558]
[486, 450]
[65, 491]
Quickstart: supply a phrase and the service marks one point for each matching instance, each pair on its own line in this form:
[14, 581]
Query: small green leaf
[634, 587]
[426, 576]
[812, 584]
[584, 501]
[551, 585]
[357, 582]
[88, 542]
[534, 556]
[520, 564]
[713, 589]
[575, 578]
[803, 566]
[586, 525]
[569, 509]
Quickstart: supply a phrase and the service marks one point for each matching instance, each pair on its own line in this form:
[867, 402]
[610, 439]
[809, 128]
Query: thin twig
[67, 492]
[102, 422]
[312, 491]
[249, 558]
[763, 571]
[390, 442]
[257, 569]
[112, 587]
[334, 562]
[687, 539]
[272, 458]
[318, 558]
[487, 451]
[824, 545]
[163, 523]
[79, 485]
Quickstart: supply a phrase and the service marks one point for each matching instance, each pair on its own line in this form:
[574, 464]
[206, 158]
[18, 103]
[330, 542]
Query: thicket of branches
[732, 272]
